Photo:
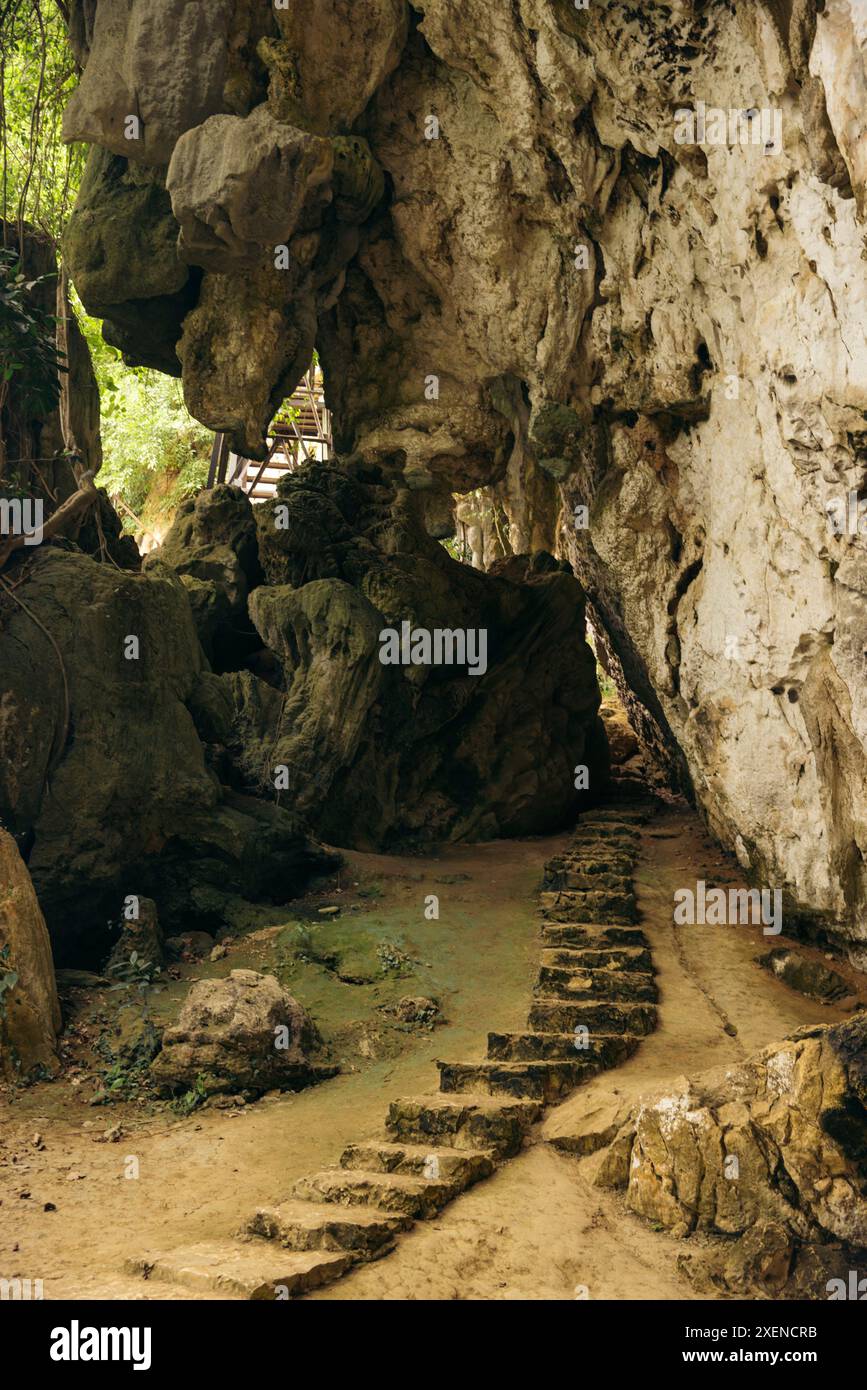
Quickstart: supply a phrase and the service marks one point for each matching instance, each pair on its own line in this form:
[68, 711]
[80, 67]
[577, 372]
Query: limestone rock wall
[769, 1154]
[520, 276]
[103, 778]
[29, 1009]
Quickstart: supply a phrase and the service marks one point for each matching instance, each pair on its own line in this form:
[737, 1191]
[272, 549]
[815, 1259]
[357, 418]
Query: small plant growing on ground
[192, 1099]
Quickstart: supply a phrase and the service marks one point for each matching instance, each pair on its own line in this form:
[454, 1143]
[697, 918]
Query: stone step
[588, 906]
[616, 852]
[560, 877]
[363, 1232]
[604, 823]
[469, 1122]
[598, 856]
[552, 1016]
[560, 983]
[412, 1196]
[545, 1081]
[595, 958]
[592, 934]
[453, 1165]
[604, 1049]
[243, 1269]
[582, 880]
[627, 815]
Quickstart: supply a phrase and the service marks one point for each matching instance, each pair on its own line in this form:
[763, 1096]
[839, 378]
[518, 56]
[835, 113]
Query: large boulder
[29, 1010]
[102, 773]
[240, 1034]
[120, 247]
[772, 1151]
[375, 754]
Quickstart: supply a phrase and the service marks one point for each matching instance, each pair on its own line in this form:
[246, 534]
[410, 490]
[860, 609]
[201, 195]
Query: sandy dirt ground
[538, 1229]
[201, 1176]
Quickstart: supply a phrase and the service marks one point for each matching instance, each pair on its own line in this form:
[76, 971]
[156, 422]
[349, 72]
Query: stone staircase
[594, 1000]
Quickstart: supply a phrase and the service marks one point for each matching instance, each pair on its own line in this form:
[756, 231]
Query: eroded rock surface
[241, 1034]
[520, 277]
[372, 754]
[772, 1151]
[29, 1009]
[103, 776]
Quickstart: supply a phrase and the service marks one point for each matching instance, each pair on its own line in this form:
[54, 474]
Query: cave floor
[537, 1229]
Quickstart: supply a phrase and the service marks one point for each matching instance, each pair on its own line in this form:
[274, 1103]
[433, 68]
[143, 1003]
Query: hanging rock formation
[521, 273]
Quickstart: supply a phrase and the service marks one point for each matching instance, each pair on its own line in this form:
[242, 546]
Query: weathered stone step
[595, 958]
[468, 1122]
[552, 1016]
[630, 814]
[546, 1081]
[595, 856]
[602, 906]
[604, 1049]
[560, 983]
[421, 1160]
[610, 849]
[364, 1232]
[604, 826]
[582, 880]
[243, 1269]
[412, 1196]
[592, 934]
[615, 852]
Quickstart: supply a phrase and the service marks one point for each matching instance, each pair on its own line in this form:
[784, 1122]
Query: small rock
[226, 1102]
[49, 1206]
[416, 1010]
[804, 975]
[190, 945]
[328, 911]
[219, 952]
[37, 1141]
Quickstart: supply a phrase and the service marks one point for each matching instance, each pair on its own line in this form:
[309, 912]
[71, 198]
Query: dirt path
[540, 1228]
[537, 1230]
[201, 1176]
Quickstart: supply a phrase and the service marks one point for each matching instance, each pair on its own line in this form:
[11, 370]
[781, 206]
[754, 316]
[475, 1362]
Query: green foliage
[147, 431]
[28, 353]
[286, 414]
[40, 175]
[191, 1100]
[135, 972]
